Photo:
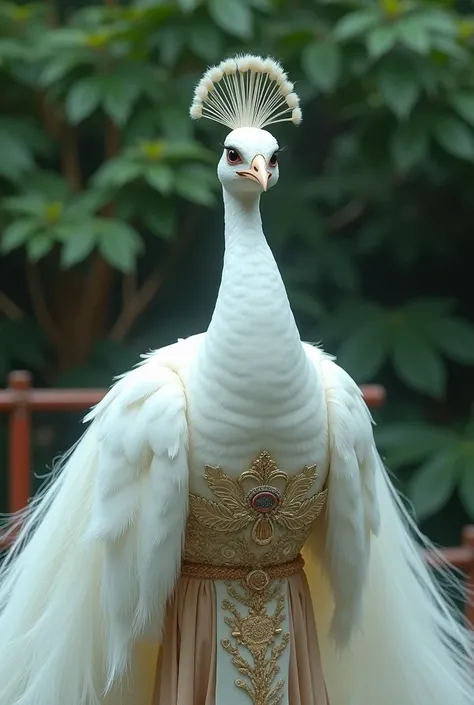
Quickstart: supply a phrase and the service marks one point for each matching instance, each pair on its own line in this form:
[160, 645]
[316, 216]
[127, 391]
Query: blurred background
[111, 218]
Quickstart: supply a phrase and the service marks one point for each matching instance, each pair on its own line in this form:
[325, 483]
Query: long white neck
[252, 344]
[251, 386]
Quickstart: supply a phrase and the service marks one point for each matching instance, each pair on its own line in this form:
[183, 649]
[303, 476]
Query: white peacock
[98, 565]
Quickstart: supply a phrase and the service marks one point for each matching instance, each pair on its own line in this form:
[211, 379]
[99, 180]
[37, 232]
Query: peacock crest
[246, 91]
[262, 496]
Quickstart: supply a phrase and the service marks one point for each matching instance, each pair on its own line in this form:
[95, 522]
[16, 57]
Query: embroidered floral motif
[263, 505]
[260, 521]
[261, 634]
[210, 548]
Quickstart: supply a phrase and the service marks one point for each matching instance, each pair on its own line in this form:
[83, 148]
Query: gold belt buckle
[257, 580]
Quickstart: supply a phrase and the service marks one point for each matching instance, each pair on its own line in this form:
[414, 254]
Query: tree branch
[346, 215]
[39, 304]
[70, 158]
[9, 307]
[152, 284]
[67, 138]
[129, 287]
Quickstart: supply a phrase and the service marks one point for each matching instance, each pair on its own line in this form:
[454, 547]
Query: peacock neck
[252, 341]
[243, 223]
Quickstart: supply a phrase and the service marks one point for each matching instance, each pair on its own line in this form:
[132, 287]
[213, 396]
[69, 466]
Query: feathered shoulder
[352, 508]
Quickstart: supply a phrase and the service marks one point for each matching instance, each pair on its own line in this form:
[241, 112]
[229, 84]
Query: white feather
[99, 551]
[246, 91]
[403, 637]
[352, 512]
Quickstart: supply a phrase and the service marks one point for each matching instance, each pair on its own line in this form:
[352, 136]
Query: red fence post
[19, 442]
[468, 541]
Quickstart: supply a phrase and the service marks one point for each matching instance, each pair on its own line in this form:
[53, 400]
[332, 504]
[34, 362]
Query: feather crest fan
[246, 91]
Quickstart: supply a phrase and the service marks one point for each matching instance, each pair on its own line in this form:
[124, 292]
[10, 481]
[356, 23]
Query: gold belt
[255, 578]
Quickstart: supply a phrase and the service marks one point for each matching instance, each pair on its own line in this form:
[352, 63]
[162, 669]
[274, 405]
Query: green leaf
[195, 191]
[463, 104]
[408, 443]
[57, 69]
[371, 236]
[205, 41]
[455, 137]
[119, 243]
[188, 5]
[349, 317]
[39, 247]
[196, 183]
[83, 99]
[48, 184]
[170, 44]
[455, 337]
[160, 177]
[78, 246]
[306, 303]
[439, 22]
[409, 146]
[321, 62]
[434, 483]
[119, 96]
[399, 88]
[262, 5]
[16, 234]
[416, 363]
[187, 150]
[16, 158]
[31, 204]
[233, 16]
[381, 40]
[175, 123]
[364, 352]
[414, 34]
[466, 485]
[355, 24]
[430, 308]
[161, 222]
[85, 203]
[116, 173]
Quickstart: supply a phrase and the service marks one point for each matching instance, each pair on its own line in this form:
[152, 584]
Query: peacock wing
[140, 501]
[352, 508]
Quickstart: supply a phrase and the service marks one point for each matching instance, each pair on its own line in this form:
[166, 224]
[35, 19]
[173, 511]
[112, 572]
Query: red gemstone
[265, 501]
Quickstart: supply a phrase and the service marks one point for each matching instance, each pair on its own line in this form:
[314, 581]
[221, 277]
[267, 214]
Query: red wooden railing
[20, 400]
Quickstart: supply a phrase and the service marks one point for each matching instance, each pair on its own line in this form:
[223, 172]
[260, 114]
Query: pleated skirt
[194, 669]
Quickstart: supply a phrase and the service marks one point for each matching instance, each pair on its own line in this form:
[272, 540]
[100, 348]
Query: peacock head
[249, 163]
[246, 94]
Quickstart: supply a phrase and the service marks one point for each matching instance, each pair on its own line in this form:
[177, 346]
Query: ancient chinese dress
[240, 629]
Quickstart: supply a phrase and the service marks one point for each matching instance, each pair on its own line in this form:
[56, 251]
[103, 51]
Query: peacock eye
[274, 159]
[233, 157]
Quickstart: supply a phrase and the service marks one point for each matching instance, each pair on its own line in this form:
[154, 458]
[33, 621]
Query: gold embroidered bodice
[259, 519]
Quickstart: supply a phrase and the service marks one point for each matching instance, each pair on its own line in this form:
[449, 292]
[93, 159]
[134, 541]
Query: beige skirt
[188, 662]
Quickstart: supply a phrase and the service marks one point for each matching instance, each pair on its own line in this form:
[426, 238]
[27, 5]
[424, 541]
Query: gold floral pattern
[206, 547]
[263, 505]
[258, 521]
[261, 634]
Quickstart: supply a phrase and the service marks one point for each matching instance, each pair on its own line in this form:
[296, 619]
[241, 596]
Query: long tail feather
[47, 617]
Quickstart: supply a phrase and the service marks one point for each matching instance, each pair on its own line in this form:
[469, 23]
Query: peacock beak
[258, 171]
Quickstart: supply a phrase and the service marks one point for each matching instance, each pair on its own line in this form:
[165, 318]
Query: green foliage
[104, 177]
[414, 338]
[444, 459]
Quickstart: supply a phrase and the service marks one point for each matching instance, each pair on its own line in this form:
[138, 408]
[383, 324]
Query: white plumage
[99, 553]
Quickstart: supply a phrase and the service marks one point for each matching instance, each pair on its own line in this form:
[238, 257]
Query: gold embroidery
[206, 547]
[255, 579]
[258, 632]
[252, 533]
[263, 505]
